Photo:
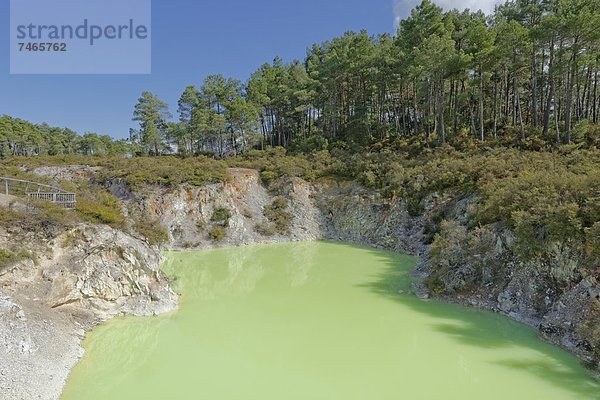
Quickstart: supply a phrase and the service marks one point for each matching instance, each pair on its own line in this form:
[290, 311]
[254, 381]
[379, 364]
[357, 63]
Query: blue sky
[190, 39]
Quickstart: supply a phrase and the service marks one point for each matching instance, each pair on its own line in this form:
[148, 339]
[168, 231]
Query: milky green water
[316, 321]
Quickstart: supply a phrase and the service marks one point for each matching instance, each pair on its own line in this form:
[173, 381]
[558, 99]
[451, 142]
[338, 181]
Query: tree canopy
[21, 138]
[526, 75]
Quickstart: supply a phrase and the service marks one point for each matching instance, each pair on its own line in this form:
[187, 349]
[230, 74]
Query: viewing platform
[36, 191]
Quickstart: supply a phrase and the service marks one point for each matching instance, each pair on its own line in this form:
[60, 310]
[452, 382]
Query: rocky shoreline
[348, 212]
[91, 273]
[80, 278]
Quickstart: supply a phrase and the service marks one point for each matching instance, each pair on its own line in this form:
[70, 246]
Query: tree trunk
[441, 112]
[550, 89]
[456, 109]
[594, 105]
[481, 133]
[569, 103]
[556, 123]
[534, 102]
[495, 105]
[506, 95]
[514, 102]
[415, 112]
[520, 115]
[587, 93]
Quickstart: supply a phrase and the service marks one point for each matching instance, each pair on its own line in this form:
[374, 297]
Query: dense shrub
[152, 231]
[7, 257]
[593, 243]
[547, 197]
[39, 217]
[549, 205]
[461, 259]
[277, 213]
[94, 204]
[100, 207]
[221, 216]
[265, 229]
[140, 171]
[217, 233]
[279, 219]
[136, 172]
[275, 163]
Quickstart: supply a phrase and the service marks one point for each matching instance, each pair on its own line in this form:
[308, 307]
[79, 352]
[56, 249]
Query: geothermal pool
[312, 321]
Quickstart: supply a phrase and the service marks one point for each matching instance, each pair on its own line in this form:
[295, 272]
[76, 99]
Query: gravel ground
[38, 348]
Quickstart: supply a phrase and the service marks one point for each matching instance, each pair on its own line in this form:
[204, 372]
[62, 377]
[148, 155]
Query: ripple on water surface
[317, 321]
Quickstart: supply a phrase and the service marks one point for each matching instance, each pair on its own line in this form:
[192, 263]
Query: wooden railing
[38, 191]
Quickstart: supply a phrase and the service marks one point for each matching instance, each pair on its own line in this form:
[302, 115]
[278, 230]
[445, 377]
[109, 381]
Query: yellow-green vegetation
[217, 233]
[278, 216]
[220, 219]
[196, 171]
[170, 170]
[543, 196]
[460, 259]
[265, 229]
[221, 216]
[136, 172]
[151, 230]
[18, 170]
[100, 207]
[555, 202]
[547, 203]
[94, 204]
[71, 238]
[276, 162]
[8, 257]
[547, 196]
[42, 217]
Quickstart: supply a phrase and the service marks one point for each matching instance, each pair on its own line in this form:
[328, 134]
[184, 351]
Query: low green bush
[276, 162]
[8, 258]
[221, 216]
[546, 195]
[152, 230]
[39, 217]
[277, 214]
[100, 207]
[217, 233]
[461, 259]
[265, 229]
[268, 176]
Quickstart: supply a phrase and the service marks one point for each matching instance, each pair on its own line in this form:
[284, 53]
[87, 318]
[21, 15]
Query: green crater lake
[313, 321]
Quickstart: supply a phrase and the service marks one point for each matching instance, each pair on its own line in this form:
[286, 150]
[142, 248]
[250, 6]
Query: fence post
[6, 186]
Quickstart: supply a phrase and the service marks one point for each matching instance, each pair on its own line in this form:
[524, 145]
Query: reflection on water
[239, 271]
[130, 350]
[317, 321]
[301, 261]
